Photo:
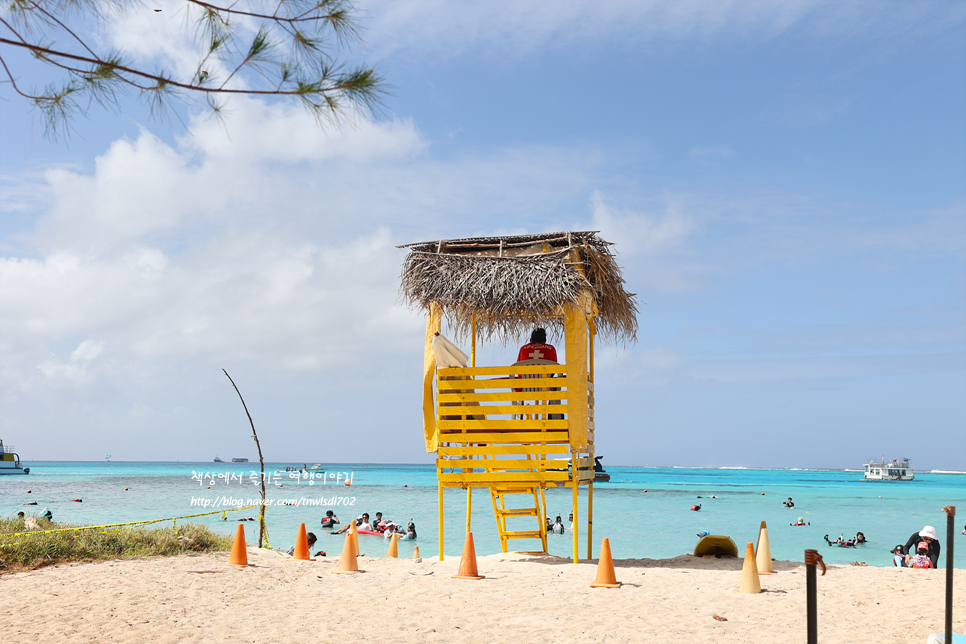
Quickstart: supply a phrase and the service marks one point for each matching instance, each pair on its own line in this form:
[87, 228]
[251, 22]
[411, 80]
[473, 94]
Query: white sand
[523, 599]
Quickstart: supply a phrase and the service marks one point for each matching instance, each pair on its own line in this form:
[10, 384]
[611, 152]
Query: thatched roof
[512, 284]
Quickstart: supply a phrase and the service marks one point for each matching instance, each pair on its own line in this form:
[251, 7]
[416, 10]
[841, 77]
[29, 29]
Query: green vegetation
[30, 552]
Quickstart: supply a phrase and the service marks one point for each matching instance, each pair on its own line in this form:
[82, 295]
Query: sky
[784, 183]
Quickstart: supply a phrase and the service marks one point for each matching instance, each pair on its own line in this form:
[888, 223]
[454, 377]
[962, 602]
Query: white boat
[218, 460]
[896, 470]
[10, 461]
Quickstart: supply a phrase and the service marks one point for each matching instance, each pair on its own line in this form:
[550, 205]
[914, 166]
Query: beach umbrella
[448, 355]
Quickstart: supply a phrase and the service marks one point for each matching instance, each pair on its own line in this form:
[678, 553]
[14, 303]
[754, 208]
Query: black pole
[950, 511]
[811, 558]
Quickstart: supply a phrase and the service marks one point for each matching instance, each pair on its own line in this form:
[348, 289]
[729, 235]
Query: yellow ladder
[498, 494]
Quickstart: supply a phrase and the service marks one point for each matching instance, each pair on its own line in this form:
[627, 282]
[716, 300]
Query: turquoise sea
[645, 512]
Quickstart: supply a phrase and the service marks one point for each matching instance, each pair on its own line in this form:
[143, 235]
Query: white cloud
[87, 351]
[513, 28]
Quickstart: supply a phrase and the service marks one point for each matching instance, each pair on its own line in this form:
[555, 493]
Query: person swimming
[558, 526]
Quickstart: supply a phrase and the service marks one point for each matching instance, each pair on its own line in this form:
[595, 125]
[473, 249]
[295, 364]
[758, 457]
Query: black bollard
[811, 558]
[950, 511]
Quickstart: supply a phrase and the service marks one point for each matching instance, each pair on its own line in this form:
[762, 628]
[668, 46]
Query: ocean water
[645, 512]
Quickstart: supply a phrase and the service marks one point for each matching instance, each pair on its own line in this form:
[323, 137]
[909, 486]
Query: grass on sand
[36, 551]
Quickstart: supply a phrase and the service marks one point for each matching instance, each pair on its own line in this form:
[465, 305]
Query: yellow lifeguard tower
[512, 429]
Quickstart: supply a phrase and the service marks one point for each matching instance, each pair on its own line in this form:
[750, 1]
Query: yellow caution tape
[128, 524]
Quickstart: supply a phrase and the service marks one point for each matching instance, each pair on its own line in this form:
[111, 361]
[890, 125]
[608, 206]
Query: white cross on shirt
[536, 355]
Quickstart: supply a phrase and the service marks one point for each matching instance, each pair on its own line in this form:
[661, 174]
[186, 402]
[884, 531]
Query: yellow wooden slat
[501, 410]
[505, 425]
[498, 383]
[502, 449]
[518, 512]
[501, 464]
[506, 437]
[499, 371]
[501, 396]
[501, 477]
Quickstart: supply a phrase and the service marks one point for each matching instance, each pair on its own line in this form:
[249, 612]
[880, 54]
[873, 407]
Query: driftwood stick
[261, 461]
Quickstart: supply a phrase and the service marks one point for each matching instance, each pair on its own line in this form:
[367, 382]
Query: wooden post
[473, 345]
[950, 511]
[575, 476]
[590, 519]
[440, 514]
[543, 514]
[811, 603]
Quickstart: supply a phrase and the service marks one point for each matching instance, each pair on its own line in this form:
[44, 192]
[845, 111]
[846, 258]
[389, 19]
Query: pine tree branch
[46, 51]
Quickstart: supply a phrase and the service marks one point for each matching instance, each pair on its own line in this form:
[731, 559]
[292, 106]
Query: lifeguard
[537, 348]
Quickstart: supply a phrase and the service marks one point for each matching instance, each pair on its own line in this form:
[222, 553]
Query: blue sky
[785, 183]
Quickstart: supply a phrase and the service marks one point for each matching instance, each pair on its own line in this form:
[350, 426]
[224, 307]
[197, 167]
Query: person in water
[537, 348]
[558, 526]
[330, 519]
[801, 521]
[859, 537]
[927, 535]
[788, 503]
[362, 523]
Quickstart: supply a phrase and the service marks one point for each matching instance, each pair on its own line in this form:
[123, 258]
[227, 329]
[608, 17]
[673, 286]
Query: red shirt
[536, 351]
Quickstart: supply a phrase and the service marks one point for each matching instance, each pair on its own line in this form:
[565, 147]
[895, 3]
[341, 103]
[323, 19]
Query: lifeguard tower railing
[509, 429]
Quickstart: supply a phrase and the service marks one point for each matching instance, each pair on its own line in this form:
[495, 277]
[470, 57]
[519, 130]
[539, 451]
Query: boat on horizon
[896, 470]
[317, 468]
[10, 461]
[218, 460]
[239, 460]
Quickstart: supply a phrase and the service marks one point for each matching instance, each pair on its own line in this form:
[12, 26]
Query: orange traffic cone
[749, 572]
[393, 548]
[347, 562]
[606, 577]
[763, 553]
[301, 552]
[468, 561]
[239, 552]
[354, 531]
[416, 557]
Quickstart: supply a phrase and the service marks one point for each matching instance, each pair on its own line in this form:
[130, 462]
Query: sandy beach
[523, 599]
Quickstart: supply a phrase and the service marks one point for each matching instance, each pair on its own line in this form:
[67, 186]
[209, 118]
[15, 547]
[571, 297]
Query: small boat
[600, 476]
[239, 460]
[10, 461]
[717, 545]
[896, 470]
[218, 460]
[315, 469]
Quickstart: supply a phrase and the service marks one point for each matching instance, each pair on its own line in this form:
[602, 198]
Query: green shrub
[38, 550]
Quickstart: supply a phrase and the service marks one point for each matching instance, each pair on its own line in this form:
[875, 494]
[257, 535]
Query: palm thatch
[512, 284]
